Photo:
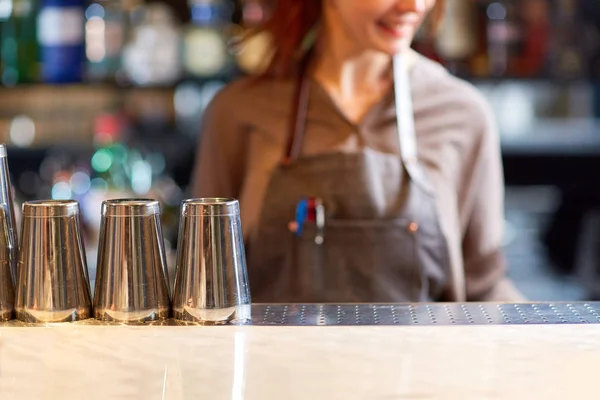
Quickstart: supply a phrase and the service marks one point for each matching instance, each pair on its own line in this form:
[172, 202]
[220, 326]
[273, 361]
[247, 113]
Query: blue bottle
[61, 37]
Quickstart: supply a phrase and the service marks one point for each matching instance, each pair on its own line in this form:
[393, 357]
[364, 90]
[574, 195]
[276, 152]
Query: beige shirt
[244, 135]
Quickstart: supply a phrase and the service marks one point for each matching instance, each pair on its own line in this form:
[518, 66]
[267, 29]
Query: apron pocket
[359, 261]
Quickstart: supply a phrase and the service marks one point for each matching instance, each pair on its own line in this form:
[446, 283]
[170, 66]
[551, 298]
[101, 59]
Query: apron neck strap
[297, 121]
[403, 103]
[405, 121]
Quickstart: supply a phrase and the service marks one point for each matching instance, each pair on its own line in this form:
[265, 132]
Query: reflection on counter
[501, 362]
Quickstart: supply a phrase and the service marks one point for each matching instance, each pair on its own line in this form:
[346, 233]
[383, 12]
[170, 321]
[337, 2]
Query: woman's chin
[393, 50]
[393, 47]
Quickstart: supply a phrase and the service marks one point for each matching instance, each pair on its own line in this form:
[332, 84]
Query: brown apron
[381, 239]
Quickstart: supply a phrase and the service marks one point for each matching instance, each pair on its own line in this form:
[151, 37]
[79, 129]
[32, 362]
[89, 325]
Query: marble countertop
[68, 361]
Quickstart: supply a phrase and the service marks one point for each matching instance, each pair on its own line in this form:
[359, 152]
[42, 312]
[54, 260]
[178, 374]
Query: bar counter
[347, 351]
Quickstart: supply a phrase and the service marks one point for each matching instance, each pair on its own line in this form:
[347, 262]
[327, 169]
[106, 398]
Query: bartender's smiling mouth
[397, 28]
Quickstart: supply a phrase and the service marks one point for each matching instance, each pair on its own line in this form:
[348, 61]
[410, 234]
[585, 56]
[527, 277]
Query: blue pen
[301, 215]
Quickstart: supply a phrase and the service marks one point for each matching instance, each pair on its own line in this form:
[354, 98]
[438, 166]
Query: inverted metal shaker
[211, 284]
[53, 283]
[8, 241]
[131, 276]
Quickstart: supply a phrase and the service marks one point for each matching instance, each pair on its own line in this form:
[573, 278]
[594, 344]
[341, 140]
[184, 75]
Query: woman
[365, 172]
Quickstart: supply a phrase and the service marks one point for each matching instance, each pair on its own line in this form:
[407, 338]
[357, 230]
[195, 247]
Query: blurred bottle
[253, 53]
[479, 64]
[503, 37]
[457, 37]
[535, 27]
[567, 59]
[20, 53]
[61, 37]
[151, 56]
[206, 53]
[590, 10]
[190, 101]
[105, 33]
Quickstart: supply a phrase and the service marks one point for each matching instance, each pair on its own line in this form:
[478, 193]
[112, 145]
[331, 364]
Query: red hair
[292, 21]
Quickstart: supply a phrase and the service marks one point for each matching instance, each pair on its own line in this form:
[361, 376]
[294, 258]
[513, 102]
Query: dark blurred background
[103, 99]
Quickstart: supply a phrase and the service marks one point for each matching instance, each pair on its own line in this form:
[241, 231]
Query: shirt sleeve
[220, 156]
[484, 261]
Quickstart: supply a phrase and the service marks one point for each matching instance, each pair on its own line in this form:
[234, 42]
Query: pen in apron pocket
[316, 215]
[309, 210]
[301, 215]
